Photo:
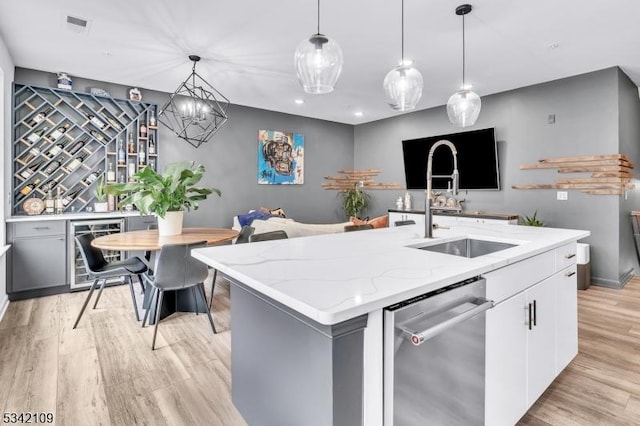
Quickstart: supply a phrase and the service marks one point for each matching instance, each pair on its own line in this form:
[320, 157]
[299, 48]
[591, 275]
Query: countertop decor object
[611, 174]
[196, 110]
[100, 205]
[463, 107]
[403, 84]
[318, 62]
[165, 195]
[33, 206]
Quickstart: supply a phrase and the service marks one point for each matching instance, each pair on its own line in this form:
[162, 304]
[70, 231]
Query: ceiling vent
[76, 24]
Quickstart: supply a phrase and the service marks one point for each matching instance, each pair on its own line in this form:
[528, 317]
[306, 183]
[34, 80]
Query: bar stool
[99, 269]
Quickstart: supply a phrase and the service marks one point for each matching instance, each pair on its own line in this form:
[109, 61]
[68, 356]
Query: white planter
[100, 207]
[171, 224]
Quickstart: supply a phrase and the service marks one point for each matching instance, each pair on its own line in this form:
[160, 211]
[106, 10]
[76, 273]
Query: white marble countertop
[71, 216]
[332, 278]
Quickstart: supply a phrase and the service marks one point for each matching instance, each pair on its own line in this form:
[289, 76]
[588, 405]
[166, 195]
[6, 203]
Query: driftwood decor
[349, 178]
[610, 174]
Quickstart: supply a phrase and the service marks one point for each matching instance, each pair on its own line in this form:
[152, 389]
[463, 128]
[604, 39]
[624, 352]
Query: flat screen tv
[477, 160]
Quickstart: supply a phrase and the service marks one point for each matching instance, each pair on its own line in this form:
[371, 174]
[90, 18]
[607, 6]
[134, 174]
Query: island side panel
[290, 370]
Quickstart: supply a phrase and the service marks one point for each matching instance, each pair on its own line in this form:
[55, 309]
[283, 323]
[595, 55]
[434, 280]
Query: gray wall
[231, 159]
[629, 125]
[586, 109]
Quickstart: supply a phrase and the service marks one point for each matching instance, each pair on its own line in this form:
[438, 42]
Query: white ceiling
[247, 45]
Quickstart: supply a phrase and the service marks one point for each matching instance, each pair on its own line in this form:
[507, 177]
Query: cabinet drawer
[39, 229]
[566, 256]
[505, 282]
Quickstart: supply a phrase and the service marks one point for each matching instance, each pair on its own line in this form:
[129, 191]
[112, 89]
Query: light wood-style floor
[104, 372]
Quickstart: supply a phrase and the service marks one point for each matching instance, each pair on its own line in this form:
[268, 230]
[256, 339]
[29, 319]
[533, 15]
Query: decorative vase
[171, 224]
[101, 207]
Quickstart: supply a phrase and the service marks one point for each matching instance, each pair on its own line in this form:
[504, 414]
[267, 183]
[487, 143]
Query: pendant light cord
[318, 16]
[402, 36]
[463, 58]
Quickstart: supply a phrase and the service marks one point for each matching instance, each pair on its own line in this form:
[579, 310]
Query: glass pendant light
[463, 107]
[318, 62]
[403, 84]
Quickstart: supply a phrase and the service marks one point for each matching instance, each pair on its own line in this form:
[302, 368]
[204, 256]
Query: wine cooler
[79, 278]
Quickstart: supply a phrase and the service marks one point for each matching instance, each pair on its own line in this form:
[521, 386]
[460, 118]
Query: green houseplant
[354, 201]
[100, 205]
[532, 220]
[165, 195]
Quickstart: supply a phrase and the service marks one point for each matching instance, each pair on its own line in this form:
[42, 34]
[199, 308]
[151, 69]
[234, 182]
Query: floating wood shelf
[610, 174]
[349, 178]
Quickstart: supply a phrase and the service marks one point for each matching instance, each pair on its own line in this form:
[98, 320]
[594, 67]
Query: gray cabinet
[37, 259]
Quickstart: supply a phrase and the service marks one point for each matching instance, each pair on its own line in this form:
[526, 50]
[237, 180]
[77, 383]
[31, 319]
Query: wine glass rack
[69, 140]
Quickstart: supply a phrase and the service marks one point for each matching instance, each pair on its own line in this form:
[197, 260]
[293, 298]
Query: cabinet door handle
[535, 314]
[61, 239]
[570, 256]
[530, 313]
[40, 227]
[569, 273]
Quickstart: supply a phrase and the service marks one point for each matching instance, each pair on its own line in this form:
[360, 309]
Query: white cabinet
[566, 318]
[532, 333]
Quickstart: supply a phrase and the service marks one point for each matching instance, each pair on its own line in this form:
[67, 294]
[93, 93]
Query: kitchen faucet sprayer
[428, 214]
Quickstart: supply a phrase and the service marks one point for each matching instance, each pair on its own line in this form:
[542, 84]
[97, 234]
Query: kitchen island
[307, 312]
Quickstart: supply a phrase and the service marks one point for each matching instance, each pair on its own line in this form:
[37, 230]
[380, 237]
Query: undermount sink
[467, 247]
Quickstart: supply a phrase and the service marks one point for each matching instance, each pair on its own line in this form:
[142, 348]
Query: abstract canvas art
[280, 158]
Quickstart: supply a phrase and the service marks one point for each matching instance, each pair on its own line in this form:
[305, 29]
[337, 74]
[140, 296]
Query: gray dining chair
[267, 236]
[404, 222]
[175, 269]
[242, 238]
[100, 270]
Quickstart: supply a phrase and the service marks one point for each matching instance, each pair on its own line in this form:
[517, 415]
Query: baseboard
[619, 283]
[4, 304]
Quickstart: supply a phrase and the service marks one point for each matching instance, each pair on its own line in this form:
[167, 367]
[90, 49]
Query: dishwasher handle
[417, 338]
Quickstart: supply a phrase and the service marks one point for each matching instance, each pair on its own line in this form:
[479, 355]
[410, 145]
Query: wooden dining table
[148, 240]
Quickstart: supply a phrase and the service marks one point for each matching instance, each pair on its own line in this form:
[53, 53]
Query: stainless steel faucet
[428, 214]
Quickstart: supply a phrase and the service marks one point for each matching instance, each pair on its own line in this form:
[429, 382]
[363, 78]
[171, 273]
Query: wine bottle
[76, 162]
[55, 150]
[96, 135]
[30, 187]
[77, 147]
[59, 131]
[141, 154]
[132, 171]
[111, 202]
[111, 174]
[49, 203]
[131, 147]
[35, 136]
[33, 153]
[31, 169]
[70, 196]
[122, 157]
[143, 129]
[152, 144]
[152, 119]
[152, 163]
[114, 123]
[94, 120]
[39, 117]
[57, 203]
[93, 177]
[52, 167]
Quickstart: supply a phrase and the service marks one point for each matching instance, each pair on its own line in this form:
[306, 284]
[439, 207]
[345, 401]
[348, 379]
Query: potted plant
[165, 195]
[532, 220]
[354, 201]
[100, 205]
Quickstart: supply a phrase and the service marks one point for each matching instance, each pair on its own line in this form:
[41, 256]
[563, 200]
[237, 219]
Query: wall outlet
[562, 195]
[551, 119]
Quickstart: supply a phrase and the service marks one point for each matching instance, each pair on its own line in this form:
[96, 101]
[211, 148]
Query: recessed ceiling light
[299, 101]
[358, 113]
[553, 46]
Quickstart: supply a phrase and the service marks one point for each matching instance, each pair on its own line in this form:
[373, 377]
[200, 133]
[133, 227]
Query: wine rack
[70, 140]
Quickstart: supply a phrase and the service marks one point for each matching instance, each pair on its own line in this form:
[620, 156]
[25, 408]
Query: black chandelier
[196, 110]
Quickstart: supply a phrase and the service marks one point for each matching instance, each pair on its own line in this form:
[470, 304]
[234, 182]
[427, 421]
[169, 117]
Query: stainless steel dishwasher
[434, 357]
